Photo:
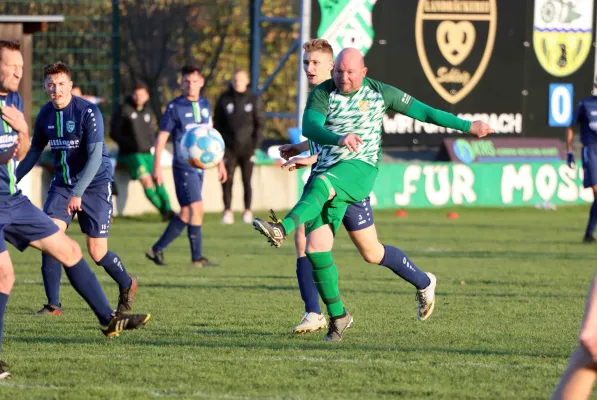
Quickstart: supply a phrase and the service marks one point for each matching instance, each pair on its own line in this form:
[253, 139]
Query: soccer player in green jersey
[344, 115]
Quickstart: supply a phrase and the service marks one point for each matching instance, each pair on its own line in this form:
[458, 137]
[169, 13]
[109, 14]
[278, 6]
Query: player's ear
[365, 71]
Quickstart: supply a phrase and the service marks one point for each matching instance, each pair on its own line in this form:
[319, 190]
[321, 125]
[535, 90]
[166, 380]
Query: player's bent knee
[97, 249]
[62, 248]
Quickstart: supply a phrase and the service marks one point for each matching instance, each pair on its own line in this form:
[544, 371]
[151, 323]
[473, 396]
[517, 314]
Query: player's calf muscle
[7, 275]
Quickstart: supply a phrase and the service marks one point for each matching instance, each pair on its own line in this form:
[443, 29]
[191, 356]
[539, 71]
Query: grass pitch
[511, 290]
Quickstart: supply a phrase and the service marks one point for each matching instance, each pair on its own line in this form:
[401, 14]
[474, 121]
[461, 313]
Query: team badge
[70, 126]
[204, 113]
[454, 42]
[562, 34]
[364, 105]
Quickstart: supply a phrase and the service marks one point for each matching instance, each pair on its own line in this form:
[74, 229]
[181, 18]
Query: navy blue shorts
[22, 223]
[589, 165]
[358, 215]
[188, 184]
[96, 203]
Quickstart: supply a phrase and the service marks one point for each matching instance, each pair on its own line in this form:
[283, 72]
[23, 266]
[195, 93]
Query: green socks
[325, 276]
[309, 206]
[163, 194]
[152, 196]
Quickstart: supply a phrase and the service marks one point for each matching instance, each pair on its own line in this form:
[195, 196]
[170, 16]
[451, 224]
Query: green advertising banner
[428, 185]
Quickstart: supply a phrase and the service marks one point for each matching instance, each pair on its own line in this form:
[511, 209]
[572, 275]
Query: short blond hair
[319, 45]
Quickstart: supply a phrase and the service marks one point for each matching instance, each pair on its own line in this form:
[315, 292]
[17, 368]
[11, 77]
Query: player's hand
[480, 129]
[570, 160]
[299, 162]
[222, 173]
[15, 118]
[350, 141]
[74, 205]
[289, 150]
[157, 176]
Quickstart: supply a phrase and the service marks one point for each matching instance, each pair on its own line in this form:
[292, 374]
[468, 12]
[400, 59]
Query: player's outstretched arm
[160, 145]
[36, 147]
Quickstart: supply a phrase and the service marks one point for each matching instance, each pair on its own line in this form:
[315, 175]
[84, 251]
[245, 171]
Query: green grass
[511, 290]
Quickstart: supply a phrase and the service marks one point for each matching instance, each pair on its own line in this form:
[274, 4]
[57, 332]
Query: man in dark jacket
[133, 128]
[240, 118]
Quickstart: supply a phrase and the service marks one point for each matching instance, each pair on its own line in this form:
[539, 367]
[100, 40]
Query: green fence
[83, 41]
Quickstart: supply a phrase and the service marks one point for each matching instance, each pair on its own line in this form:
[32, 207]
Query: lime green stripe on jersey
[11, 176]
[196, 114]
[59, 131]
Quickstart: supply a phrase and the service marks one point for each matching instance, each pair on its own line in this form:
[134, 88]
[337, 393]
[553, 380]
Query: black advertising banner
[503, 150]
[520, 65]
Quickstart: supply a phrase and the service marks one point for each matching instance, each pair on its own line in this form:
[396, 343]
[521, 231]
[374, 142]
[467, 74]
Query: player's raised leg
[312, 319]
[309, 206]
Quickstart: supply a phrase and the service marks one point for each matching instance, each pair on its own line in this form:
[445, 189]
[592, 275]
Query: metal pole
[255, 45]
[303, 85]
[115, 55]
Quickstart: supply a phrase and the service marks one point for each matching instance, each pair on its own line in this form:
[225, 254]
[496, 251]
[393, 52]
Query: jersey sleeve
[319, 98]
[394, 98]
[39, 139]
[578, 113]
[168, 121]
[93, 124]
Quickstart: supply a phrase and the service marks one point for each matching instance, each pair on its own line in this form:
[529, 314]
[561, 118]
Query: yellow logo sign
[454, 42]
[562, 34]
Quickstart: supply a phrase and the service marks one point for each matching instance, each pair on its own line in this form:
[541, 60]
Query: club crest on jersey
[204, 113]
[364, 105]
[70, 126]
[562, 34]
[455, 40]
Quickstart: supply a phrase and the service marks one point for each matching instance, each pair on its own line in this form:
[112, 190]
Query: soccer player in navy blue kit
[586, 117]
[23, 225]
[181, 114]
[74, 127]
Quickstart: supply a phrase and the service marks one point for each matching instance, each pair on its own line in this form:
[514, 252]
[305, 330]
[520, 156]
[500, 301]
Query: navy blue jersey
[181, 114]
[68, 131]
[8, 184]
[586, 116]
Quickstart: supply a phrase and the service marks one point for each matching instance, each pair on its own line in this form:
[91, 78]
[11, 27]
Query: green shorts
[352, 181]
[137, 164]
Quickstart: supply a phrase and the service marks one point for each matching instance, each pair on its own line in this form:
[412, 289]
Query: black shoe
[49, 309]
[589, 239]
[127, 297]
[203, 262]
[273, 231]
[156, 256]
[121, 322]
[169, 216]
[4, 374]
[337, 327]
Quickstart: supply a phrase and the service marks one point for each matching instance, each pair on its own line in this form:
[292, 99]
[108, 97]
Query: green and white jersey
[361, 113]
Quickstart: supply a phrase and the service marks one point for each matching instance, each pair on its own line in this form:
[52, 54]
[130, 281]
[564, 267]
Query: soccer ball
[202, 146]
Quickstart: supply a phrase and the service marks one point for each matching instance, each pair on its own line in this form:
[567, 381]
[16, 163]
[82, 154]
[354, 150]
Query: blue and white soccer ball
[202, 146]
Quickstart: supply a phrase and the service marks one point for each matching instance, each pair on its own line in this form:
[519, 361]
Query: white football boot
[311, 322]
[426, 298]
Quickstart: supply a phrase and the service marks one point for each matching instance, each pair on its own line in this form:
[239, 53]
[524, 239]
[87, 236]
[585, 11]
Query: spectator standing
[239, 117]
